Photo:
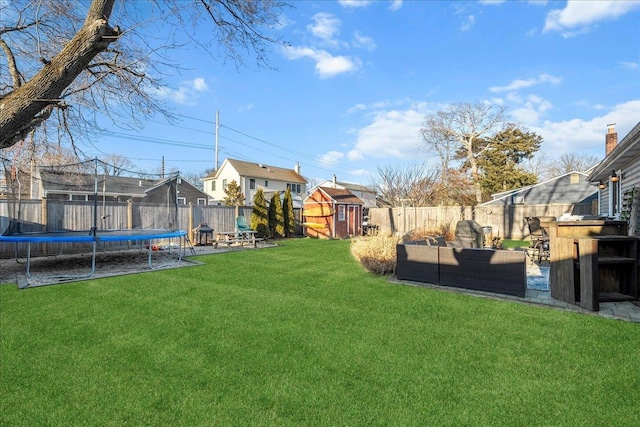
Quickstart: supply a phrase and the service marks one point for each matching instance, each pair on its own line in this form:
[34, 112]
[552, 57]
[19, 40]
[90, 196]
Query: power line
[316, 163]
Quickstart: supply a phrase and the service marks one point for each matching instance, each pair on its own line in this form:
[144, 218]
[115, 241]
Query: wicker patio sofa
[489, 270]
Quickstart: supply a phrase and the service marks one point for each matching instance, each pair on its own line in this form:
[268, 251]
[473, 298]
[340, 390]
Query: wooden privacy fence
[506, 222]
[56, 215]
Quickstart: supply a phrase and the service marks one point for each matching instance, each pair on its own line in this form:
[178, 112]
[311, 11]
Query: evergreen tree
[501, 161]
[276, 217]
[233, 194]
[289, 215]
[260, 214]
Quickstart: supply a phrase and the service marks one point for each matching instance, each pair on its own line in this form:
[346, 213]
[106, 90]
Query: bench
[230, 237]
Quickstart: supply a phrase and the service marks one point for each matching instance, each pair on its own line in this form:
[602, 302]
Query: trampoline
[93, 238]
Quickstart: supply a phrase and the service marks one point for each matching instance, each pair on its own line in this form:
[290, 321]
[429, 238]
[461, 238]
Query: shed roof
[340, 195]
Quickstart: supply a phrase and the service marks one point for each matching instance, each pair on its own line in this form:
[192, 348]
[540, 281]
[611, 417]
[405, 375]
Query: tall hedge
[276, 216]
[289, 216]
[260, 215]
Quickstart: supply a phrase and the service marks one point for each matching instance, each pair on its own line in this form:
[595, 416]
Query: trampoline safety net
[85, 196]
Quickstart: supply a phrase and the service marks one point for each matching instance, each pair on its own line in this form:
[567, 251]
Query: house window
[213, 186]
[202, 201]
[266, 184]
[224, 184]
[294, 188]
[78, 198]
[341, 213]
[252, 184]
[518, 200]
[574, 178]
[182, 200]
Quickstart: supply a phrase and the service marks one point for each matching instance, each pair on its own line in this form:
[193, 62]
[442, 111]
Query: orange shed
[332, 213]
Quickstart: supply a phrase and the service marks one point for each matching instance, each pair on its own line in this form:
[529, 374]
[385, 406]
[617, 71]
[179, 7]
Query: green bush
[260, 215]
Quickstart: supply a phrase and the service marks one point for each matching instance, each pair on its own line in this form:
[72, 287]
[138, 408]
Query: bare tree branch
[68, 63]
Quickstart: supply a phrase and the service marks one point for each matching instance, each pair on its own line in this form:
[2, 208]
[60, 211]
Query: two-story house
[251, 177]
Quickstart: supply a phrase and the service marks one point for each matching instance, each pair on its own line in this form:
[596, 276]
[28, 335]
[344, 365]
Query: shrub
[260, 214]
[377, 254]
[444, 230]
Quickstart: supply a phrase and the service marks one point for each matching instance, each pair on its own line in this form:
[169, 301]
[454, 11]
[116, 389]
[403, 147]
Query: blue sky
[352, 90]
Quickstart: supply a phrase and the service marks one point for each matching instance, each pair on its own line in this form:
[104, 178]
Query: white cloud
[532, 110]
[186, 93]
[393, 133]
[466, 26]
[352, 4]
[325, 27]
[395, 5]
[363, 41]
[199, 85]
[587, 136]
[327, 65]
[629, 65]
[331, 158]
[492, 2]
[579, 15]
[360, 172]
[521, 84]
[354, 155]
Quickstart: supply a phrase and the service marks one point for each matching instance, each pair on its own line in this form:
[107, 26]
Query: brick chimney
[611, 139]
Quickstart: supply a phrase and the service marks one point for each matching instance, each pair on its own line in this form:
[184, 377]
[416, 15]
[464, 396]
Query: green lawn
[512, 244]
[301, 335]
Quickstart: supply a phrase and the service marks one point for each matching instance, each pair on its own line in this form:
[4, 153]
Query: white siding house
[251, 177]
[618, 177]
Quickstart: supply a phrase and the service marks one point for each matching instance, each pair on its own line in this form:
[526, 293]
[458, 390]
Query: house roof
[257, 170]
[622, 154]
[350, 186]
[82, 183]
[509, 193]
[56, 182]
[340, 195]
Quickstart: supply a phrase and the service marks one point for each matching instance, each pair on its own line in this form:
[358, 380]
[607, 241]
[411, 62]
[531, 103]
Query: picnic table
[230, 237]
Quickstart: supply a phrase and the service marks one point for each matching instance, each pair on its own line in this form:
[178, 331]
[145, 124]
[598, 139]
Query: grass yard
[512, 244]
[301, 335]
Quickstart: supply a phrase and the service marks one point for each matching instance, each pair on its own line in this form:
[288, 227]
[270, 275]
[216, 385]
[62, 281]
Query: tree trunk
[28, 106]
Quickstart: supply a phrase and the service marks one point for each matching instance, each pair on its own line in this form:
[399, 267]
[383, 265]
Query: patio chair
[241, 224]
[539, 246]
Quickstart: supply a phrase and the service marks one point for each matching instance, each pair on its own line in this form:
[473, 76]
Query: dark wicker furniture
[489, 270]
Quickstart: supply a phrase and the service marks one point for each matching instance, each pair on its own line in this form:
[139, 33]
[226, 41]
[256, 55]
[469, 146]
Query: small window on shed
[202, 201]
[518, 200]
[182, 200]
[574, 178]
[341, 213]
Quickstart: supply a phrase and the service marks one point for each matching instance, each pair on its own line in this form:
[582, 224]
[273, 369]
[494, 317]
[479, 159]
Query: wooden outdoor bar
[592, 260]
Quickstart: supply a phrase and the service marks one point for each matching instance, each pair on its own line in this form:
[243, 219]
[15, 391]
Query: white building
[251, 177]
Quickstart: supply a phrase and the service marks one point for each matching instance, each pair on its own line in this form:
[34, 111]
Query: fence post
[129, 218]
[190, 230]
[45, 221]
